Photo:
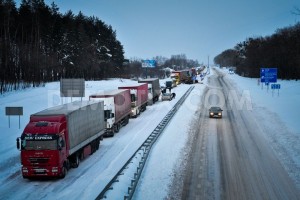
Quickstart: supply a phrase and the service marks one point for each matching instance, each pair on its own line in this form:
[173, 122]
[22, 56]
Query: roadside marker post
[14, 111]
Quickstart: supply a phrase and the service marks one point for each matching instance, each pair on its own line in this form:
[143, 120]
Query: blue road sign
[149, 63]
[268, 75]
[275, 86]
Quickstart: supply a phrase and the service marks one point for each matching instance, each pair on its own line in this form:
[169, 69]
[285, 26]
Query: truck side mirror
[112, 115]
[61, 143]
[18, 143]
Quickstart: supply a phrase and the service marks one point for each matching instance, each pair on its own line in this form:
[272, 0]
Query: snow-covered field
[278, 114]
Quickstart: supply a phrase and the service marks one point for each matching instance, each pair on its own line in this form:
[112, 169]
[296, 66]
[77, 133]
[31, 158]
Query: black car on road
[215, 112]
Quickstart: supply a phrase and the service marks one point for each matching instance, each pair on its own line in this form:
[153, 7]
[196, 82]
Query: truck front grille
[35, 161]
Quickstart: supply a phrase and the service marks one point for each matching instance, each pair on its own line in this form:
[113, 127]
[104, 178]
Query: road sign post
[14, 111]
[268, 75]
[148, 64]
[275, 87]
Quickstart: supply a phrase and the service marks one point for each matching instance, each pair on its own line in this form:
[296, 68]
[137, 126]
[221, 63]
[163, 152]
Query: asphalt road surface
[229, 157]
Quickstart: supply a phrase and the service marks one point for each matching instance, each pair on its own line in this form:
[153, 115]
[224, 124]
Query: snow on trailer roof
[146, 80]
[132, 85]
[65, 109]
[107, 93]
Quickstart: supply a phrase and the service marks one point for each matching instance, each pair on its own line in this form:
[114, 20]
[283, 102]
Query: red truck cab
[57, 138]
[43, 147]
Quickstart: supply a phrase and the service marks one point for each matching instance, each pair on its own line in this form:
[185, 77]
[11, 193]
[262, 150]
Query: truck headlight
[211, 113]
[219, 114]
[54, 169]
[25, 170]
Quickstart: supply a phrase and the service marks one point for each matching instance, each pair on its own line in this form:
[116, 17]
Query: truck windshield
[107, 114]
[39, 141]
[39, 144]
[133, 99]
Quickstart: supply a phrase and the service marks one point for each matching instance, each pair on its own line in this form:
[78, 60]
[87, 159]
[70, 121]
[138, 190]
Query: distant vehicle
[154, 89]
[215, 112]
[169, 84]
[175, 76]
[188, 76]
[231, 71]
[117, 109]
[167, 96]
[57, 138]
[185, 76]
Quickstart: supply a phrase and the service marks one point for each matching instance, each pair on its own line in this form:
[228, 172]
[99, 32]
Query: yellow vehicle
[175, 76]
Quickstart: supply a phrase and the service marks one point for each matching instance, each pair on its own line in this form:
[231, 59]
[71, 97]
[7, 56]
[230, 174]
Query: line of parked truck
[58, 138]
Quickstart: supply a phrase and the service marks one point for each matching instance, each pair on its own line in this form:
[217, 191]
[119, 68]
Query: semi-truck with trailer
[117, 109]
[188, 76]
[139, 97]
[154, 89]
[185, 76]
[57, 138]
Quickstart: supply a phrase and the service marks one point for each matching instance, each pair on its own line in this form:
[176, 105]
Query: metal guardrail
[128, 176]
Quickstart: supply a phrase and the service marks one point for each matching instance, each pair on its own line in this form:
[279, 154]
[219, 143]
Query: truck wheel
[138, 113]
[97, 144]
[25, 177]
[126, 121]
[111, 133]
[68, 165]
[93, 147]
[81, 156]
[76, 161]
[64, 172]
[117, 128]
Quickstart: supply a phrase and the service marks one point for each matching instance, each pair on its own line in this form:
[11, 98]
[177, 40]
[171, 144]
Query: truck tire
[112, 133]
[93, 147]
[97, 144]
[76, 160]
[64, 171]
[127, 120]
[139, 112]
[68, 165]
[117, 128]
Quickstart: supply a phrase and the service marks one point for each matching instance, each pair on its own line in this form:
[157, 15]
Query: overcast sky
[197, 28]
